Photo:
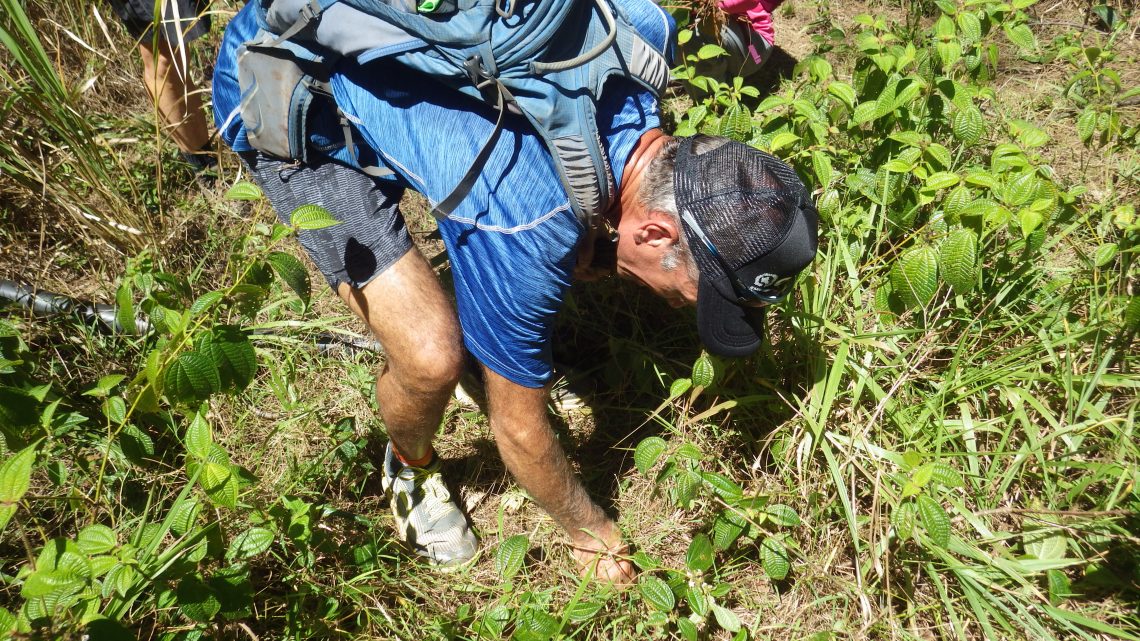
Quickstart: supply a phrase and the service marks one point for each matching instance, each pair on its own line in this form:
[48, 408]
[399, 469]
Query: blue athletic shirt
[512, 242]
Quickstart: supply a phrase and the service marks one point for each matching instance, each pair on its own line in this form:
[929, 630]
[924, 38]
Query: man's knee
[432, 368]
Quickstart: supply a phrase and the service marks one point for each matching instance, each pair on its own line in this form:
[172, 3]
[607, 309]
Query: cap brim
[727, 329]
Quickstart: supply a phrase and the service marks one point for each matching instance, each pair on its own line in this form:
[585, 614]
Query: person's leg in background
[178, 100]
[166, 73]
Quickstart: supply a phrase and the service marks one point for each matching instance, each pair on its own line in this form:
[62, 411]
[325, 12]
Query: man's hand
[532, 454]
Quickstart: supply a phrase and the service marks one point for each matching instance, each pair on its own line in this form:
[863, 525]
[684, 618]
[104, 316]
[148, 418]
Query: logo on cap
[767, 282]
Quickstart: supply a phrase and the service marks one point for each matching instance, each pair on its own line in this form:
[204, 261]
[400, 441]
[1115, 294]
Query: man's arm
[533, 455]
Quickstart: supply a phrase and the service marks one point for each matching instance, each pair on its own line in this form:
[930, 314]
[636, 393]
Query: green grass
[914, 454]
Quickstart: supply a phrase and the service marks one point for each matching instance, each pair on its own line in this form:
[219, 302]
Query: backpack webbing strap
[305, 16]
[448, 204]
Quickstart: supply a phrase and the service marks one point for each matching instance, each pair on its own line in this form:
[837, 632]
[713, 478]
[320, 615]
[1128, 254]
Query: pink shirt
[758, 12]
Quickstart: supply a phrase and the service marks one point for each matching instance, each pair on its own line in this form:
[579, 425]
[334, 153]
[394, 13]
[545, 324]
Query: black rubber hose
[45, 304]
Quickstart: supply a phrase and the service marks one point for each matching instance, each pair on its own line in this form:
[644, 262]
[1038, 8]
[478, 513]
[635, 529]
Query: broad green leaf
[909, 90]
[231, 354]
[648, 451]
[1029, 221]
[197, 600]
[1046, 545]
[949, 52]
[908, 138]
[1086, 124]
[958, 260]
[970, 26]
[723, 486]
[103, 388]
[736, 124]
[102, 564]
[244, 191]
[946, 476]
[510, 556]
[312, 217]
[944, 28]
[292, 272]
[828, 205]
[698, 601]
[982, 178]
[45, 581]
[1021, 35]
[844, 92]
[903, 518]
[898, 166]
[96, 539]
[688, 629]
[781, 140]
[1059, 586]
[183, 515]
[885, 101]
[219, 483]
[688, 483]
[115, 409]
[250, 543]
[699, 557]
[782, 515]
[122, 578]
[703, 371]
[865, 112]
[125, 309]
[581, 611]
[774, 558]
[1104, 254]
[656, 593]
[727, 528]
[709, 51]
[914, 276]
[136, 444]
[942, 180]
[206, 301]
[199, 437]
[934, 520]
[821, 165]
[7, 621]
[1132, 313]
[922, 475]
[191, 378]
[15, 478]
[726, 618]
[956, 202]
[1021, 189]
[939, 154]
[968, 125]
[537, 621]
[679, 387]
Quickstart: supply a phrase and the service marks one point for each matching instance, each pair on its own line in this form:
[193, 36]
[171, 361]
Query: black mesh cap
[751, 227]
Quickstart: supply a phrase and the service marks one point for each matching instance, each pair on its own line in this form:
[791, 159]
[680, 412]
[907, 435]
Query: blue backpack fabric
[547, 60]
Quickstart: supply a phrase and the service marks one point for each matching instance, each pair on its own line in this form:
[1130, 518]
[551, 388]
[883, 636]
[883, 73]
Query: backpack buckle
[480, 77]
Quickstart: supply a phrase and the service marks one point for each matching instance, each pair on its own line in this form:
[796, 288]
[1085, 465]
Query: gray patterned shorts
[182, 20]
[372, 235]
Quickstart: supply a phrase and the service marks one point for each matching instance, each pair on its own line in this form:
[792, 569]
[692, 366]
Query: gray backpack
[547, 60]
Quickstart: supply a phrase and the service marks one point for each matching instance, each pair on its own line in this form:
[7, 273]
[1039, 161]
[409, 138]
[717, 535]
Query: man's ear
[657, 229]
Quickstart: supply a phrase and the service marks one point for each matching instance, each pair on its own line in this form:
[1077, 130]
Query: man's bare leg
[407, 310]
[533, 455]
[179, 101]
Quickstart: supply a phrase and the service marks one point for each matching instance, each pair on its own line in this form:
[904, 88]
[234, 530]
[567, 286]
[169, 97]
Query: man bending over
[700, 221]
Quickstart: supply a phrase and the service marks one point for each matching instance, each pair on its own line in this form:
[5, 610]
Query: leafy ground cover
[937, 442]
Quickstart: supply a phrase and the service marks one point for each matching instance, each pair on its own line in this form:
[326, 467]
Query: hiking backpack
[544, 59]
